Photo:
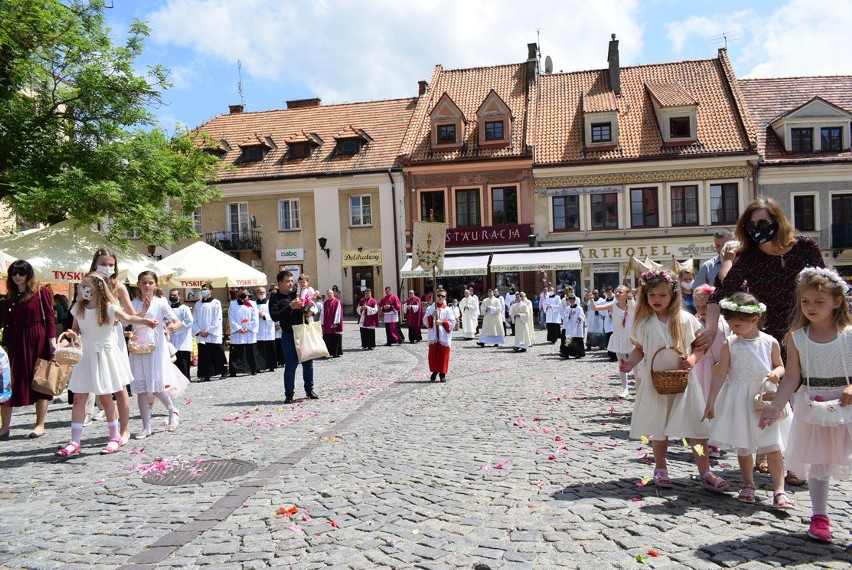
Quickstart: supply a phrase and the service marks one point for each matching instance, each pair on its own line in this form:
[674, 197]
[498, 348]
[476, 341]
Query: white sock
[76, 433]
[622, 356]
[113, 429]
[144, 412]
[818, 489]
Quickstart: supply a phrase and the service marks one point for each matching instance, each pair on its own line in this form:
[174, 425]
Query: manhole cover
[198, 473]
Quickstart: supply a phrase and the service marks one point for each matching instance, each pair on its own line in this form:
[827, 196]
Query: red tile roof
[386, 123]
[600, 101]
[468, 88]
[559, 121]
[769, 99]
[670, 95]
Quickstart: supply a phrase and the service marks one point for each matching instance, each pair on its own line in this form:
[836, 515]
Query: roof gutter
[395, 232]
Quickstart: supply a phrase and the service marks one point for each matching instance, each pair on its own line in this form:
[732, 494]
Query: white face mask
[687, 284]
[107, 270]
[86, 293]
[262, 296]
[205, 293]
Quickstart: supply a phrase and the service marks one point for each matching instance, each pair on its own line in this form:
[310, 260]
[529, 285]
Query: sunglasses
[14, 272]
[760, 223]
[441, 295]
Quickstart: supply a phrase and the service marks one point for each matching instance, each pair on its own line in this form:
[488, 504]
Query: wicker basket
[70, 354]
[668, 381]
[766, 396]
[143, 341]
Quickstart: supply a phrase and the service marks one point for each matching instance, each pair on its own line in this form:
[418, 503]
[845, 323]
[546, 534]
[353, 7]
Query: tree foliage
[77, 135]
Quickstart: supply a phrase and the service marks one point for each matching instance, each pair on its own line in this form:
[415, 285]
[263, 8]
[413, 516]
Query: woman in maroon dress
[29, 333]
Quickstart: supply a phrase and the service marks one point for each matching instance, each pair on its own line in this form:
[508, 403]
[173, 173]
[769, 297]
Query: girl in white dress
[153, 371]
[621, 316]
[749, 358]
[661, 322]
[819, 357]
[102, 370]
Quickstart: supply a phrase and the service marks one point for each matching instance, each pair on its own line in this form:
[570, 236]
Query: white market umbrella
[201, 263]
[62, 253]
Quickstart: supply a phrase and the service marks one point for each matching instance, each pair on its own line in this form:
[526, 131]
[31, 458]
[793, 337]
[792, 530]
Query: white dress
[736, 423]
[152, 372]
[622, 328]
[818, 451]
[103, 369]
[659, 416]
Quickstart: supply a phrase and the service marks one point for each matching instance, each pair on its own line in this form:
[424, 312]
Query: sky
[343, 51]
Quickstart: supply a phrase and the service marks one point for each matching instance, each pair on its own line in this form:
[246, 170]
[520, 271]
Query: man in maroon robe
[332, 325]
[390, 309]
[414, 317]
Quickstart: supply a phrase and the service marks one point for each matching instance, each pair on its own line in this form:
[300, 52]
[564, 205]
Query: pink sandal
[70, 450]
[782, 501]
[112, 446]
[747, 494]
[661, 479]
[713, 483]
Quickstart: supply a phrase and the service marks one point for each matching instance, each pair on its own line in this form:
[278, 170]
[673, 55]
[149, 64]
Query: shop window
[504, 205]
[684, 201]
[644, 211]
[724, 203]
[566, 213]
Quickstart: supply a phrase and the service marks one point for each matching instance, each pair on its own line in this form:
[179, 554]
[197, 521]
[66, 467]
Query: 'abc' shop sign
[292, 254]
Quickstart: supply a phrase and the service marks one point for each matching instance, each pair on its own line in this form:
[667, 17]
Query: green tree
[77, 135]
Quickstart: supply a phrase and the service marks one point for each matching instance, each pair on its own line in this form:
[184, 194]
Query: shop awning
[459, 265]
[532, 260]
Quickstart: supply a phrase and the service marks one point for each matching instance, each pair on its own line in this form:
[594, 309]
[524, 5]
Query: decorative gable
[815, 126]
[447, 125]
[675, 109]
[494, 118]
[600, 120]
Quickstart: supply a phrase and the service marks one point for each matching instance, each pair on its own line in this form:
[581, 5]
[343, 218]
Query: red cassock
[439, 354]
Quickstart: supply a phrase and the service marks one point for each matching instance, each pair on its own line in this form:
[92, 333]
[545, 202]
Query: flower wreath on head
[730, 304]
[829, 274]
[657, 275]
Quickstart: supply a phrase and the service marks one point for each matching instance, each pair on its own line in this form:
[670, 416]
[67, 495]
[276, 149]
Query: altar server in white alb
[522, 317]
[552, 307]
[207, 328]
[440, 319]
[492, 320]
[243, 317]
[469, 315]
[572, 327]
[181, 337]
[267, 355]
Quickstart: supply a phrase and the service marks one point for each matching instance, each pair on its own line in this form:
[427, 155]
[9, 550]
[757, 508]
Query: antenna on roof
[240, 82]
[725, 37]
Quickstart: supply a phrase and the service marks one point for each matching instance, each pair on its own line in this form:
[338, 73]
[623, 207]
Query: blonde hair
[785, 236]
[650, 280]
[103, 299]
[824, 281]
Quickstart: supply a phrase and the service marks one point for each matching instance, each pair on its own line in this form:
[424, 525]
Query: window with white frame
[644, 208]
[684, 203]
[196, 221]
[360, 211]
[238, 220]
[724, 203]
[804, 212]
[288, 215]
[566, 213]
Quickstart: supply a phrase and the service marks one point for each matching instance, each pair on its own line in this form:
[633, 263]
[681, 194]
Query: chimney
[234, 109]
[421, 87]
[614, 67]
[532, 63]
[301, 103]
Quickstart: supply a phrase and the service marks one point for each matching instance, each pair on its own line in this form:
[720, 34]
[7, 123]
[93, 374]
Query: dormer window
[446, 134]
[254, 148]
[493, 130]
[601, 132]
[815, 126]
[679, 128]
[802, 140]
[600, 120]
[494, 118]
[348, 146]
[676, 112]
[300, 150]
[253, 153]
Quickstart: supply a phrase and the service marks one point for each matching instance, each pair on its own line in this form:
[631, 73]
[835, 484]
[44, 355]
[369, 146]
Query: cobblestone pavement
[518, 461]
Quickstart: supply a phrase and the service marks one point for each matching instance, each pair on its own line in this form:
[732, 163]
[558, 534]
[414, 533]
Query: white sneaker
[624, 394]
[88, 420]
[100, 416]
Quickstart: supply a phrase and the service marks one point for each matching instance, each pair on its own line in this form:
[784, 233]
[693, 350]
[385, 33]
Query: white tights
[818, 489]
[145, 410]
[621, 356]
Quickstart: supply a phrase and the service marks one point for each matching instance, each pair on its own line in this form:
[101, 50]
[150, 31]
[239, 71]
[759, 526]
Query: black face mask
[174, 301]
[243, 297]
[763, 232]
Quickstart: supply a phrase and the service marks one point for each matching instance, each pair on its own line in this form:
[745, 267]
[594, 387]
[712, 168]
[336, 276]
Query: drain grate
[198, 473]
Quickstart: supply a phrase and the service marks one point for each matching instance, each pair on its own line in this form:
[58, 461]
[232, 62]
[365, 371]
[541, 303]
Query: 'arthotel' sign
[485, 235]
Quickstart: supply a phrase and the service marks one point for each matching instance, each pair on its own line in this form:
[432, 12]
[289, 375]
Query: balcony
[841, 236]
[235, 241]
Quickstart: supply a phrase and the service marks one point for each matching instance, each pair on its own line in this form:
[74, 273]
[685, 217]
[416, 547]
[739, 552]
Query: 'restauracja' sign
[482, 235]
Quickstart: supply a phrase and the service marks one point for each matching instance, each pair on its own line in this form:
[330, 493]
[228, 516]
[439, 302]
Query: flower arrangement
[731, 304]
[657, 275]
[829, 275]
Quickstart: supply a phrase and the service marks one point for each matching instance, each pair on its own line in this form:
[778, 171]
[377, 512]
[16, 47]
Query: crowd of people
[762, 325]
